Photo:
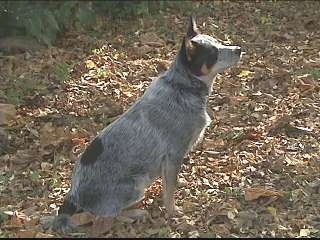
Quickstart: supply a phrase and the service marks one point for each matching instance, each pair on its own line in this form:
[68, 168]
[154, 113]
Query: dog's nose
[237, 50]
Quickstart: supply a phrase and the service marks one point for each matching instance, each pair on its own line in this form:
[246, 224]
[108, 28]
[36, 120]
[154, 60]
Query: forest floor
[257, 171]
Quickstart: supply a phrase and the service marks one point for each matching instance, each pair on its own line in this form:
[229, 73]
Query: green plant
[35, 175]
[62, 72]
[313, 72]
[233, 192]
[44, 20]
[21, 86]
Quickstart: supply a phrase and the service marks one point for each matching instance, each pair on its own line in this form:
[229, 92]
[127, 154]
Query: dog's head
[206, 56]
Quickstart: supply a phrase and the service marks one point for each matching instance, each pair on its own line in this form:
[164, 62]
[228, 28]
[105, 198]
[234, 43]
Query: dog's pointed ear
[192, 32]
[192, 28]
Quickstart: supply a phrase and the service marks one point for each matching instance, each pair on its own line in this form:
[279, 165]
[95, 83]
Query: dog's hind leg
[169, 172]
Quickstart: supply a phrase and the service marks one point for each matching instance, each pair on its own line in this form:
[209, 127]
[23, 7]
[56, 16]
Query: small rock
[143, 50]
[151, 39]
[110, 109]
[247, 218]
[7, 113]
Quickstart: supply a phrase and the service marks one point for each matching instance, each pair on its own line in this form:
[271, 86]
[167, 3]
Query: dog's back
[165, 121]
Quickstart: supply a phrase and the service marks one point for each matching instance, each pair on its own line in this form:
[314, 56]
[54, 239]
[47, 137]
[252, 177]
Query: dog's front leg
[170, 172]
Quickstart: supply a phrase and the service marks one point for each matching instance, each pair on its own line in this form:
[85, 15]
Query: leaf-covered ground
[257, 171]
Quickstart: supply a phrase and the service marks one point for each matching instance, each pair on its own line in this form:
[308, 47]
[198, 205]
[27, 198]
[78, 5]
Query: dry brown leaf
[251, 194]
[188, 206]
[43, 235]
[30, 210]
[22, 158]
[45, 166]
[15, 220]
[213, 144]
[151, 39]
[32, 223]
[143, 50]
[238, 99]
[244, 73]
[82, 218]
[90, 64]
[135, 213]
[26, 234]
[7, 113]
[124, 219]
[50, 134]
[221, 229]
[304, 232]
[100, 226]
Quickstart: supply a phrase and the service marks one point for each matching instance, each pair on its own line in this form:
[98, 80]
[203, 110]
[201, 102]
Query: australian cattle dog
[152, 137]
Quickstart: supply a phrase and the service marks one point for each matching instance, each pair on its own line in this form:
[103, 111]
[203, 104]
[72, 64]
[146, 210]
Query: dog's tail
[62, 222]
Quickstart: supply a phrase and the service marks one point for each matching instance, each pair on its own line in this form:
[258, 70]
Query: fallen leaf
[45, 166]
[143, 50]
[188, 206]
[82, 218]
[51, 135]
[247, 218]
[194, 234]
[90, 64]
[43, 235]
[238, 99]
[304, 232]
[32, 222]
[135, 213]
[221, 229]
[213, 144]
[151, 39]
[244, 73]
[100, 226]
[231, 214]
[26, 234]
[125, 219]
[15, 220]
[251, 194]
[272, 211]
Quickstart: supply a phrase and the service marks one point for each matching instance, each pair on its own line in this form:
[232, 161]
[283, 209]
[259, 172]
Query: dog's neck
[208, 80]
[182, 75]
[201, 83]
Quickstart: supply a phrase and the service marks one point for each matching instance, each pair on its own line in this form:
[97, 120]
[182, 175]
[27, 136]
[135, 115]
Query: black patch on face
[92, 152]
[202, 54]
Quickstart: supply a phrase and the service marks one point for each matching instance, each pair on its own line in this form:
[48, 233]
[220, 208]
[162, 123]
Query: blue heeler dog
[152, 137]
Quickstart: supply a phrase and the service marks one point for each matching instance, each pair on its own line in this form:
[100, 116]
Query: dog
[152, 137]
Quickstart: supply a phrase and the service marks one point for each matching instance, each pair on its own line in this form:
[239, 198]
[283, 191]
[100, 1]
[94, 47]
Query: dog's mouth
[228, 57]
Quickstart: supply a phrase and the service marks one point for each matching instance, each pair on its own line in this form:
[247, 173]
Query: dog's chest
[199, 132]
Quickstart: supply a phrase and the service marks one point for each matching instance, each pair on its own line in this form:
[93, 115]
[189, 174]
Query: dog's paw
[60, 224]
[46, 222]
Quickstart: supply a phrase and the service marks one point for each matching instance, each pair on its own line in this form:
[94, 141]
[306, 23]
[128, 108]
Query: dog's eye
[212, 57]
